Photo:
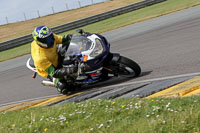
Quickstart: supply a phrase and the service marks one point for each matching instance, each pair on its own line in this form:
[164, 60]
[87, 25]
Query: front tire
[128, 68]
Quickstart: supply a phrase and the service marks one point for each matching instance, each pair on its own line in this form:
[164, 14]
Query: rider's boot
[61, 86]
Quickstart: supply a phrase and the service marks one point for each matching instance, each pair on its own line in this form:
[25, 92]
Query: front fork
[111, 63]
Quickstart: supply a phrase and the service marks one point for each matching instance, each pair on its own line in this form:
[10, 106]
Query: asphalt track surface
[164, 46]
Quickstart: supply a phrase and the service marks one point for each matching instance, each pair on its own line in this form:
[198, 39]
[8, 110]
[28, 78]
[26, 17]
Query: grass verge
[119, 115]
[116, 22]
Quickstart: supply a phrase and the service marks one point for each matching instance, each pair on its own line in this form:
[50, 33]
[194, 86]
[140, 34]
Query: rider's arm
[65, 39]
[58, 39]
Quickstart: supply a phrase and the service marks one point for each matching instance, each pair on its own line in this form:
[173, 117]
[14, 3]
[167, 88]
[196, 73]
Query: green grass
[116, 22]
[15, 52]
[175, 115]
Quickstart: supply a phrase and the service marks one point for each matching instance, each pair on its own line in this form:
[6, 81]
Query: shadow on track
[108, 82]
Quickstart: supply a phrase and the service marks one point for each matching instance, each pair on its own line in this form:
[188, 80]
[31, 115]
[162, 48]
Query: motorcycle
[91, 53]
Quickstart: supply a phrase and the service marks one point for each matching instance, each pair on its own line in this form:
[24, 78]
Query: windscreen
[78, 44]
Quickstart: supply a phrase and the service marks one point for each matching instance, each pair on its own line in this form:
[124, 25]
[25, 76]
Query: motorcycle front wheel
[128, 68]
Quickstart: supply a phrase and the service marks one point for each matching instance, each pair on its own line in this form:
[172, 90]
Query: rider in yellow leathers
[45, 56]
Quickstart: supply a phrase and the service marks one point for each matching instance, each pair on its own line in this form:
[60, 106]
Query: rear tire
[128, 68]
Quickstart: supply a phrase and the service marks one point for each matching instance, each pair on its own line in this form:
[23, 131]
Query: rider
[45, 56]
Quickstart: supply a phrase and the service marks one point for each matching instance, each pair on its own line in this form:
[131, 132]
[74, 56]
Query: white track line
[129, 83]
[156, 79]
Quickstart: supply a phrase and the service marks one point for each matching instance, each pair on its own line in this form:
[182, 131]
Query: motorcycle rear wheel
[128, 68]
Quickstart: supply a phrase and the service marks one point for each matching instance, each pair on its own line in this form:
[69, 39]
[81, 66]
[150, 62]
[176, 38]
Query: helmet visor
[47, 42]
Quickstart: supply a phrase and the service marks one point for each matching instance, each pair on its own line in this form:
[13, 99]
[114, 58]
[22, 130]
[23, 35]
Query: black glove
[65, 44]
[66, 39]
[60, 73]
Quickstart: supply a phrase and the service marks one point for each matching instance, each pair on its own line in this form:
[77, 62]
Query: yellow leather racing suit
[43, 58]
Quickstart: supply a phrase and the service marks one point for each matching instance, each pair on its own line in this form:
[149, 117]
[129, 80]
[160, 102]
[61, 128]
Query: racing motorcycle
[91, 53]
